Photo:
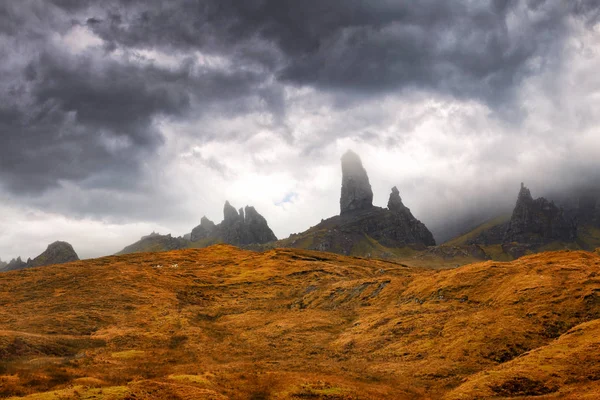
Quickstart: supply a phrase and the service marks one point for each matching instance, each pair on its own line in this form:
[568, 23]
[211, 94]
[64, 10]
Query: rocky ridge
[239, 228]
[538, 221]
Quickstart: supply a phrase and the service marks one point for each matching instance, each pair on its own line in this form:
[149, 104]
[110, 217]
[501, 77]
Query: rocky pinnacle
[356, 189]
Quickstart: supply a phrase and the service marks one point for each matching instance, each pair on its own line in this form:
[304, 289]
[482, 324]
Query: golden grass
[292, 324]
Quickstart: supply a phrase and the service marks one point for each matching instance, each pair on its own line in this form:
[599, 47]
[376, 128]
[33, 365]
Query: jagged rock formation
[205, 230]
[395, 202]
[3, 264]
[155, 242]
[56, 253]
[14, 264]
[356, 189]
[538, 221]
[241, 228]
[361, 228]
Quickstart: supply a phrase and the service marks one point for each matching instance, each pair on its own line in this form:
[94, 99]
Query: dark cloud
[479, 50]
[90, 117]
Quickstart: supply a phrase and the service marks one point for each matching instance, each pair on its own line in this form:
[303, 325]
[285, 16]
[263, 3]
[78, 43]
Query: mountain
[225, 323]
[362, 228]
[56, 253]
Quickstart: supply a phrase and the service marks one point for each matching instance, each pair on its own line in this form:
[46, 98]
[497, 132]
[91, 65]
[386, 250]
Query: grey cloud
[90, 118]
[480, 50]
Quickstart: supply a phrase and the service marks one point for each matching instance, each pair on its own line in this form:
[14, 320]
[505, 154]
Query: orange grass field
[224, 323]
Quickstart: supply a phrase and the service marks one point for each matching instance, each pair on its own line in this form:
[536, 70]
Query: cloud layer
[135, 114]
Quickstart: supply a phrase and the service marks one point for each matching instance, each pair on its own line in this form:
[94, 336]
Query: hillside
[224, 323]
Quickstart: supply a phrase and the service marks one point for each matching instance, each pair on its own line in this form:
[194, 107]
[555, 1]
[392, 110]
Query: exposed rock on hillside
[395, 202]
[205, 230]
[356, 189]
[538, 221]
[241, 228]
[246, 227]
[3, 264]
[14, 264]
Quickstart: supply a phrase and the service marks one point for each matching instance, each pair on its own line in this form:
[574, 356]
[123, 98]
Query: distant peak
[524, 193]
[229, 212]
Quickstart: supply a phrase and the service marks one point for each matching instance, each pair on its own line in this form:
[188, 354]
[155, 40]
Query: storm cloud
[125, 113]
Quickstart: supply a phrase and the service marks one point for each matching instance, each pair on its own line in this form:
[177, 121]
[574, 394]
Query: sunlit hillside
[224, 323]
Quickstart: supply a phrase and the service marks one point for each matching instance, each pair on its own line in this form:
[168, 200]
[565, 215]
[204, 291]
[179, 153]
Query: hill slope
[221, 323]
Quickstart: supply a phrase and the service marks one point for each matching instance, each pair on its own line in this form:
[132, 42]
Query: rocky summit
[356, 189]
[56, 253]
[243, 227]
[361, 228]
[538, 221]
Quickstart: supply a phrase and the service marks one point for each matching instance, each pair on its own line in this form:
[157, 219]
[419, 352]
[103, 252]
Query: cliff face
[238, 228]
[356, 189]
[538, 221]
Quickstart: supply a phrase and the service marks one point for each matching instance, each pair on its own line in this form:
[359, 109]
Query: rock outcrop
[356, 189]
[240, 228]
[361, 228]
[538, 221]
[15, 264]
[395, 202]
[56, 253]
[3, 265]
[205, 230]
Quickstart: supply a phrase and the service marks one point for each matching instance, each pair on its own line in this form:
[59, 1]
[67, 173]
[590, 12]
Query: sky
[119, 118]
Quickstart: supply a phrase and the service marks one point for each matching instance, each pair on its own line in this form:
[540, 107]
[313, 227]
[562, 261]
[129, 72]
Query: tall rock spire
[356, 189]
